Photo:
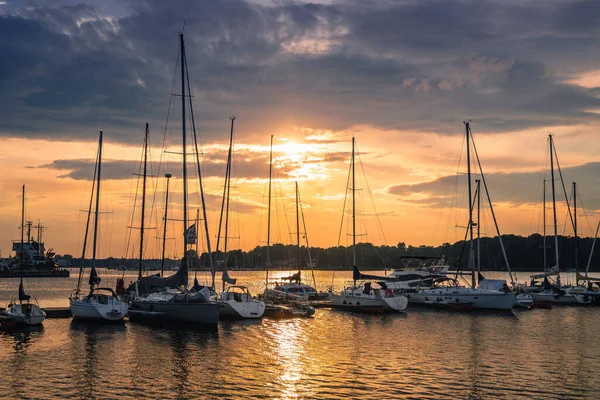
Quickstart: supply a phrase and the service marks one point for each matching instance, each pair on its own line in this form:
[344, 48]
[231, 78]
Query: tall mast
[29, 223]
[208, 247]
[478, 225]
[544, 245]
[143, 202]
[297, 227]
[353, 219]
[269, 213]
[587, 268]
[185, 188]
[197, 222]
[22, 229]
[87, 225]
[575, 230]
[471, 250]
[306, 237]
[225, 195]
[197, 240]
[164, 243]
[228, 190]
[554, 210]
[353, 209]
[97, 200]
[39, 233]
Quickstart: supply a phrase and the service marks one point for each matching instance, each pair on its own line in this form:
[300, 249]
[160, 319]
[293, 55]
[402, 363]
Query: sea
[416, 354]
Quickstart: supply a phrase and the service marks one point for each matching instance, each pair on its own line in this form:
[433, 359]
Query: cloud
[404, 65]
[247, 163]
[514, 188]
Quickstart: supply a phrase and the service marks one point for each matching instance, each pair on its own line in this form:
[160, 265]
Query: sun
[298, 155]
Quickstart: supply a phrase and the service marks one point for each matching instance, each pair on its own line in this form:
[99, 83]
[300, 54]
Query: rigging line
[364, 223]
[463, 247]
[576, 246]
[135, 200]
[487, 193]
[201, 187]
[344, 206]
[343, 213]
[83, 199]
[306, 239]
[587, 268]
[451, 202]
[225, 185]
[539, 199]
[153, 212]
[565, 193]
[166, 129]
[87, 225]
[563, 185]
[371, 196]
[285, 214]
[583, 208]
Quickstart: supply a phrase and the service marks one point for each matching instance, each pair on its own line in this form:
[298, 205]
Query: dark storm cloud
[516, 188]
[73, 68]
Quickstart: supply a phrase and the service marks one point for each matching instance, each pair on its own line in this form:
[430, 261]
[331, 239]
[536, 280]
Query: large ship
[37, 262]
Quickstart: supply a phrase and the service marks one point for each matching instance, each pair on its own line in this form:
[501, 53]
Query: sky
[399, 76]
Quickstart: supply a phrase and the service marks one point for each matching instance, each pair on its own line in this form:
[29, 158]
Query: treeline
[524, 254]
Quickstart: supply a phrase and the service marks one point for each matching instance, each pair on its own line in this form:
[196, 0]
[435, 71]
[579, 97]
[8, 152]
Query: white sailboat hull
[464, 298]
[25, 314]
[523, 300]
[567, 299]
[83, 309]
[357, 302]
[232, 309]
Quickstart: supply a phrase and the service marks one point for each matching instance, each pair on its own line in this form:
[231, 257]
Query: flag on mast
[190, 234]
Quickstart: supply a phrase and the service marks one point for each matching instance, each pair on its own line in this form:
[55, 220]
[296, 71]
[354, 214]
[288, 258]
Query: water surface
[421, 354]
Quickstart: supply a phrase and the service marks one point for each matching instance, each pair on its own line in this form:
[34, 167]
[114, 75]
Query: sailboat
[278, 304]
[489, 294]
[23, 313]
[294, 284]
[367, 297]
[237, 301]
[100, 304]
[158, 299]
[554, 293]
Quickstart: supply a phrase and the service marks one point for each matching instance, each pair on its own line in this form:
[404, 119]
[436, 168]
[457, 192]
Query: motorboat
[238, 303]
[369, 297]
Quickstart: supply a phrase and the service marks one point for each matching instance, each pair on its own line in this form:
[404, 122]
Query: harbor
[325, 199]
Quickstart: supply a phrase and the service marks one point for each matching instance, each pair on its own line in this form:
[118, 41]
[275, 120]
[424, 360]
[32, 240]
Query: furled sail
[293, 278]
[22, 295]
[94, 278]
[152, 283]
[225, 277]
[358, 276]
